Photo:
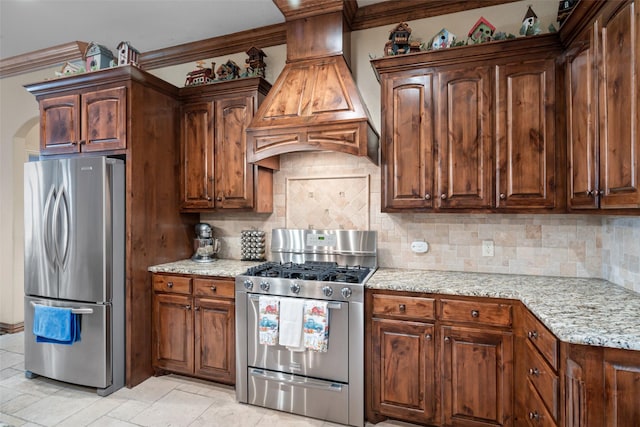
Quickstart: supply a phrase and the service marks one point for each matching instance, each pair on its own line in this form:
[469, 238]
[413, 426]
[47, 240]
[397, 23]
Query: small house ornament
[564, 9]
[443, 39]
[127, 54]
[481, 32]
[200, 75]
[255, 63]
[228, 71]
[398, 42]
[97, 57]
[69, 68]
[530, 23]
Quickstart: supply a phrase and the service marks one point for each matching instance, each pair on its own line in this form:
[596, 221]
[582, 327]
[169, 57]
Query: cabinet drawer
[541, 338]
[543, 378]
[404, 307]
[535, 413]
[486, 313]
[213, 288]
[174, 284]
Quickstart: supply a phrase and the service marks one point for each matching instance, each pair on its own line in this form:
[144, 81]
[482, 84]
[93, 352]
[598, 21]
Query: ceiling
[30, 25]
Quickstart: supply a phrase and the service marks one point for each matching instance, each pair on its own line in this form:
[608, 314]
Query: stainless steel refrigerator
[74, 218]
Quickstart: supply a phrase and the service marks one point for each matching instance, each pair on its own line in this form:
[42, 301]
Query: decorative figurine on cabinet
[398, 42]
[127, 54]
[200, 75]
[70, 68]
[443, 39]
[97, 57]
[481, 32]
[228, 71]
[530, 24]
[255, 63]
[564, 9]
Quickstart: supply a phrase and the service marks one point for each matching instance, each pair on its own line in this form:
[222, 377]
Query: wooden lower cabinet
[194, 327]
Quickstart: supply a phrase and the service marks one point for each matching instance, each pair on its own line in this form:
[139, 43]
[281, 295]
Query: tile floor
[170, 400]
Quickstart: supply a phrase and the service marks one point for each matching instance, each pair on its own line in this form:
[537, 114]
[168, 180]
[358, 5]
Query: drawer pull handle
[213, 289]
[169, 285]
[533, 335]
[534, 416]
[475, 313]
[427, 337]
[402, 308]
[534, 372]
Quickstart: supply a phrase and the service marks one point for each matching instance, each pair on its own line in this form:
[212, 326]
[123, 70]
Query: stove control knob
[295, 288]
[264, 286]
[248, 284]
[327, 291]
[346, 292]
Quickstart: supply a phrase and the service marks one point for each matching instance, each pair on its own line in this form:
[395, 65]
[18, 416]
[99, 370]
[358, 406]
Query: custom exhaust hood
[314, 103]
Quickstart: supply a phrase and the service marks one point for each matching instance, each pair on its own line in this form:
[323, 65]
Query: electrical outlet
[487, 248]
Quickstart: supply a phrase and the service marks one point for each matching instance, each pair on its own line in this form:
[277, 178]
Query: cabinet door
[60, 125]
[104, 120]
[215, 339]
[403, 363]
[196, 186]
[173, 333]
[477, 377]
[619, 116]
[463, 119]
[407, 142]
[581, 93]
[525, 134]
[233, 174]
[622, 388]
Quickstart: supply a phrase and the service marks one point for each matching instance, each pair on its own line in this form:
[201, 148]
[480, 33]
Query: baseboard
[6, 328]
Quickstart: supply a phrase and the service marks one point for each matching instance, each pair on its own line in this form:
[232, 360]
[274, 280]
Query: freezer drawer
[300, 395]
[87, 362]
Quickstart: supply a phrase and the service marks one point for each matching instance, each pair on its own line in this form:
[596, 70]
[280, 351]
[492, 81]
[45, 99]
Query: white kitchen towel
[268, 319]
[316, 325]
[291, 315]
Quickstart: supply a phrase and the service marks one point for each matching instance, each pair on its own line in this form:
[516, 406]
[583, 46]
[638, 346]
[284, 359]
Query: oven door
[331, 365]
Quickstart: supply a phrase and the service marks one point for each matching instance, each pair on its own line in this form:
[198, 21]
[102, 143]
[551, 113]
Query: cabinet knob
[208, 198]
[427, 196]
[600, 193]
[475, 313]
[447, 339]
[503, 196]
[213, 289]
[219, 199]
[427, 337]
[196, 308]
[187, 307]
[533, 335]
[402, 308]
[74, 142]
[443, 196]
[83, 142]
[534, 416]
[589, 193]
[169, 285]
[534, 372]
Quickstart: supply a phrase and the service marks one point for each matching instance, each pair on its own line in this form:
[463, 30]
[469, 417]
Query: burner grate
[313, 270]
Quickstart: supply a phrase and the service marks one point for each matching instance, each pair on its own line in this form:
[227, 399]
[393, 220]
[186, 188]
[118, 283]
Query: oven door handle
[324, 385]
[330, 305]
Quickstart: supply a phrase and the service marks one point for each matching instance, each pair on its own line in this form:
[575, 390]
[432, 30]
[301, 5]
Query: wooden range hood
[315, 103]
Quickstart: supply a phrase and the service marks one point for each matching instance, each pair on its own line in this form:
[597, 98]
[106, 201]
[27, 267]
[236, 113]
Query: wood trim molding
[374, 15]
[42, 58]
[7, 328]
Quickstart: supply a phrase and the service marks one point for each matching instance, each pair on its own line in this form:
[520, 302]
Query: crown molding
[42, 58]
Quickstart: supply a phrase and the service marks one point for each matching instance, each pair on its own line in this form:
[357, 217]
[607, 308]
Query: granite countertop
[578, 311]
[218, 267]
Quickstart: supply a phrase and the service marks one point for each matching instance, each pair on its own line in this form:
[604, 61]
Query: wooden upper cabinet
[602, 110]
[215, 172]
[525, 134]
[619, 116]
[88, 121]
[465, 167]
[408, 138]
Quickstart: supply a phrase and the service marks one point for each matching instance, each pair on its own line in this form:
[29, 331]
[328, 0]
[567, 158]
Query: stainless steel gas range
[319, 268]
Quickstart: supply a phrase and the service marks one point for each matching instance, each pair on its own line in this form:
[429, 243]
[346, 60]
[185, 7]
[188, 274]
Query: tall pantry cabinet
[133, 115]
[603, 89]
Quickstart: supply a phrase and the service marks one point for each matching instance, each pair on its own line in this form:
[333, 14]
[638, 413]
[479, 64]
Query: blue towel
[56, 325]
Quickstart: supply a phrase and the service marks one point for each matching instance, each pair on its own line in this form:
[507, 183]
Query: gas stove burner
[312, 270]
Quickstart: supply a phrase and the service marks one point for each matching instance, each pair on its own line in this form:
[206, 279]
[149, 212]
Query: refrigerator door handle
[61, 258]
[82, 310]
[48, 235]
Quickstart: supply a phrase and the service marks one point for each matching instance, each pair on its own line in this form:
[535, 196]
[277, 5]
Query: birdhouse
[255, 62]
[70, 68]
[530, 24]
[97, 57]
[127, 54]
[228, 71]
[200, 75]
[564, 9]
[481, 32]
[398, 40]
[443, 39]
